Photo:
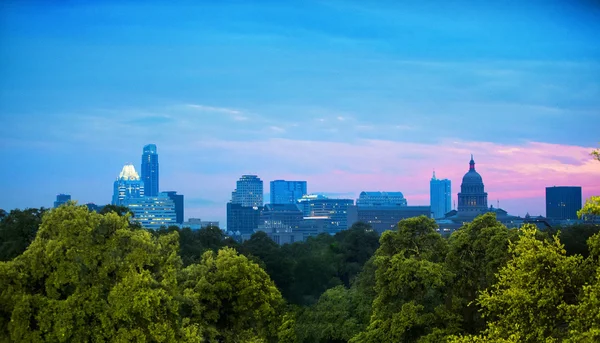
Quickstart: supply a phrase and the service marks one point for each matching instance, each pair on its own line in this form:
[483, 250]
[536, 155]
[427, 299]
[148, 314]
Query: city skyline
[373, 101]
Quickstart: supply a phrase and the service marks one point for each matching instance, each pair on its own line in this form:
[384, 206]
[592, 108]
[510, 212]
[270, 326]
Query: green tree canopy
[17, 230]
[411, 281]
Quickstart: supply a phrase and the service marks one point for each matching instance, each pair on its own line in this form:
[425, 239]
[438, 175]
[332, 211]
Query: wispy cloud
[213, 109]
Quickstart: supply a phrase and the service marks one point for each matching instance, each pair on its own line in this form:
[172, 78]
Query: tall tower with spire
[472, 199]
[150, 170]
[440, 196]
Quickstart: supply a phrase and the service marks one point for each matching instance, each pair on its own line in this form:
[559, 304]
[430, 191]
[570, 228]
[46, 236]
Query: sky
[350, 96]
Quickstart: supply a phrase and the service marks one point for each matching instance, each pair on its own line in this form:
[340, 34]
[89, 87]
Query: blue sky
[349, 95]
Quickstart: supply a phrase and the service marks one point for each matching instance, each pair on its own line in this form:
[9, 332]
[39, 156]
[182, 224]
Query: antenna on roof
[498, 203]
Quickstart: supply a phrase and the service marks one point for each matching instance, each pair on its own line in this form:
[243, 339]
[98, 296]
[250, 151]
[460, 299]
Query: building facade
[150, 170]
[152, 212]
[381, 199]
[287, 192]
[383, 218]
[440, 196]
[248, 191]
[127, 186]
[280, 218]
[472, 198]
[62, 199]
[562, 203]
[179, 205]
[320, 206]
[242, 219]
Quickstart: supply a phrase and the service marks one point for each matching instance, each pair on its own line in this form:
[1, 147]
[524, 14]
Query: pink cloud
[514, 174]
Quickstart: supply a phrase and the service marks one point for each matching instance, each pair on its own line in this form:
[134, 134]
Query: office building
[382, 218]
[152, 212]
[197, 224]
[150, 170]
[287, 192]
[440, 196]
[248, 192]
[381, 199]
[280, 218]
[321, 206]
[62, 199]
[178, 200]
[127, 186]
[242, 220]
[562, 203]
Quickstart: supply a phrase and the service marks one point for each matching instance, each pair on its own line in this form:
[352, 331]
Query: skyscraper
[562, 203]
[128, 185]
[287, 192]
[178, 200]
[61, 199]
[440, 196]
[249, 191]
[150, 170]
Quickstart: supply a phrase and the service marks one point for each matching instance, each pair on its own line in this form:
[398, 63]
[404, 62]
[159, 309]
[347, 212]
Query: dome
[128, 173]
[472, 176]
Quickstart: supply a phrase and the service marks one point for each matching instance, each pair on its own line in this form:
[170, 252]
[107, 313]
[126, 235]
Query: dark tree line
[484, 283]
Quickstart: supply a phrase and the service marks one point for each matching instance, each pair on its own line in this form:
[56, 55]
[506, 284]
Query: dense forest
[72, 275]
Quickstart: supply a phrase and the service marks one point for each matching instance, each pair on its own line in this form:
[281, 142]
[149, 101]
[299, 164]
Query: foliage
[411, 281]
[93, 277]
[574, 237]
[476, 252]
[531, 299]
[118, 209]
[17, 231]
[230, 296]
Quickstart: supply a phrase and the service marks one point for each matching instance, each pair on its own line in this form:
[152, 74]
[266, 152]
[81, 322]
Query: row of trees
[90, 276]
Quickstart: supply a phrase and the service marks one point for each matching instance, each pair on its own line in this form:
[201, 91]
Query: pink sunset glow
[516, 175]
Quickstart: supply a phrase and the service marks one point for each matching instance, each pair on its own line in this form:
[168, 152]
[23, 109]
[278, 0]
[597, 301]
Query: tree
[276, 263]
[118, 209]
[17, 231]
[584, 324]
[534, 291]
[476, 252]
[592, 205]
[89, 277]
[411, 282]
[230, 296]
[355, 247]
[331, 319]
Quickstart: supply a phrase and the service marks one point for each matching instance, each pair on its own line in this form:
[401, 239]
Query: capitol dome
[472, 176]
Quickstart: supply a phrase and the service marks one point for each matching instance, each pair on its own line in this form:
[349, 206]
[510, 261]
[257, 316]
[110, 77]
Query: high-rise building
[248, 192]
[127, 186]
[381, 199]
[287, 192]
[562, 203]
[152, 212]
[242, 219]
[321, 206]
[150, 170]
[472, 198]
[178, 200]
[61, 199]
[280, 218]
[440, 196]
